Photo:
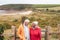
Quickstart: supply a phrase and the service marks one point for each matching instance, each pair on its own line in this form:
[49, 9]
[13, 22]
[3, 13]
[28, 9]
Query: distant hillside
[46, 5]
[23, 6]
[15, 6]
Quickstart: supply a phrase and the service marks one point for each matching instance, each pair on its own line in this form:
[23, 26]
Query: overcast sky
[2, 2]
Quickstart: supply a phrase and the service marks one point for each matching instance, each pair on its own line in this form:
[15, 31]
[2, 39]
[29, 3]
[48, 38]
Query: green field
[23, 6]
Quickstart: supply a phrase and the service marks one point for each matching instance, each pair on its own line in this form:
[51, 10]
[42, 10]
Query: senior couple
[26, 32]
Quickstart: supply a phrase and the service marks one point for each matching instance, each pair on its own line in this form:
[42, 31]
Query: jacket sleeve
[39, 34]
[19, 31]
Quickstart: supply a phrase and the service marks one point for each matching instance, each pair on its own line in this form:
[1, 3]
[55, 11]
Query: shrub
[32, 19]
[52, 10]
[58, 10]
[1, 37]
[23, 18]
[1, 32]
[1, 29]
[6, 26]
[14, 20]
[47, 9]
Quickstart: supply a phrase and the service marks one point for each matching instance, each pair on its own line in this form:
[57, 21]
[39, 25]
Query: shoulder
[38, 28]
[30, 28]
[20, 26]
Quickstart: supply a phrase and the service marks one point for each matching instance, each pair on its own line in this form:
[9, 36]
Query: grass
[46, 5]
[44, 18]
[41, 17]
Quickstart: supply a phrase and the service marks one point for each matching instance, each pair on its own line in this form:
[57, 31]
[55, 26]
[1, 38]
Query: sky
[2, 2]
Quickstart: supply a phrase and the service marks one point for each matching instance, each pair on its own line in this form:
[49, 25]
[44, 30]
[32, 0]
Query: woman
[35, 31]
[23, 30]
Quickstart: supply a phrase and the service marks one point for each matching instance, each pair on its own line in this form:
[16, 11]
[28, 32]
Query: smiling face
[26, 23]
[33, 25]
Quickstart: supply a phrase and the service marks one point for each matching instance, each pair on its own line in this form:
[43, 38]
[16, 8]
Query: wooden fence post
[58, 30]
[46, 33]
[14, 32]
[47, 36]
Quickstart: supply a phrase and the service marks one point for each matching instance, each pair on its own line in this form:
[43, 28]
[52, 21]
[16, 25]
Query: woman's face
[26, 23]
[33, 25]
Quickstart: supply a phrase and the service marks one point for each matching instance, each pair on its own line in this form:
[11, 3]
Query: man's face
[26, 23]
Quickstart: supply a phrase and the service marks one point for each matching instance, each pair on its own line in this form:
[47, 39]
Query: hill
[23, 6]
[15, 6]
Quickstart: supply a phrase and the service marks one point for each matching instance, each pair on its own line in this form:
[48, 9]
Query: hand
[25, 37]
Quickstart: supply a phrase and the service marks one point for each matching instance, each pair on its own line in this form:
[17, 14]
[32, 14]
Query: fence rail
[45, 33]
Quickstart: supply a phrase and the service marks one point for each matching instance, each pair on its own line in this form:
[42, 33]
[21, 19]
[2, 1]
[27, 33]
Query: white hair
[35, 22]
[27, 20]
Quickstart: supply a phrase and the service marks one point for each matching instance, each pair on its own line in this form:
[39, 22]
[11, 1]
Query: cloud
[29, 2]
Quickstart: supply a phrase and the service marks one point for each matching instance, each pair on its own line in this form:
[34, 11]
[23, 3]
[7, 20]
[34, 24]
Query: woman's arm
[39, 34]
[19, 32]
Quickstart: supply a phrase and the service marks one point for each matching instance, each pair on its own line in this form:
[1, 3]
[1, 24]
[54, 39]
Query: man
[23, 31]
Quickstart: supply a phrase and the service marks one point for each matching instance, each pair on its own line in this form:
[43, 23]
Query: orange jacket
[20, 32]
